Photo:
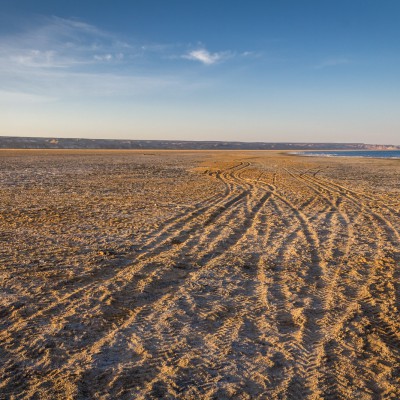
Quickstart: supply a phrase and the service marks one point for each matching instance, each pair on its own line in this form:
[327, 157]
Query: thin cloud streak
[61, 43]
[205, 57]
[332, 62]
[66, 58]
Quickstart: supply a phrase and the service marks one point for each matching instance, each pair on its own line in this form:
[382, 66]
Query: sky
[273, 71]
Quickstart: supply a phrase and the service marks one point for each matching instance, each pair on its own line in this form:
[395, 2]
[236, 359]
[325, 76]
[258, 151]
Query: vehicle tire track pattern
[283, 285]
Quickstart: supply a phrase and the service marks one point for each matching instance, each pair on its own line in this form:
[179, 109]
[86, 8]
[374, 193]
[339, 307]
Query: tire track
[173, 224]
[366, 301]
[302, 351]
[115, 288]
[38, 345]
[312, 357]
[213, 210]
[281, 287]
[309, 359]
[147, 322]
[339, 257]
[358, 203]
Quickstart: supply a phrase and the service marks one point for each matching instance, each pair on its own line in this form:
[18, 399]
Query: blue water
[364, 153]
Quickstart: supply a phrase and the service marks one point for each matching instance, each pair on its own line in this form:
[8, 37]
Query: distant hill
[13, 142]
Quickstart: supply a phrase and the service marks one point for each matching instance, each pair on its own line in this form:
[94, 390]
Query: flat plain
[198, 275]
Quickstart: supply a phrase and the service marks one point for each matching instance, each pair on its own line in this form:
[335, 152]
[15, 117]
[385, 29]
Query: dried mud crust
[198, 275]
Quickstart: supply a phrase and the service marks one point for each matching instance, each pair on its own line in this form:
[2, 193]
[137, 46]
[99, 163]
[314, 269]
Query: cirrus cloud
[54, 59]
[205, 57]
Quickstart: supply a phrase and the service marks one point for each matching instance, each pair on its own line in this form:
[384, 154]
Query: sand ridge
[199, 275]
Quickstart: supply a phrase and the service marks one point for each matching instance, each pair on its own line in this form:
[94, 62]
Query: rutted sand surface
[198, 275]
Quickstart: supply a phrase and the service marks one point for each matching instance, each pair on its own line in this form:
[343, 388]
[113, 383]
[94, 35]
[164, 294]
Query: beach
[198, 275]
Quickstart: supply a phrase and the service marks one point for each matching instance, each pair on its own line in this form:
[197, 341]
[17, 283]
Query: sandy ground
[198, 275]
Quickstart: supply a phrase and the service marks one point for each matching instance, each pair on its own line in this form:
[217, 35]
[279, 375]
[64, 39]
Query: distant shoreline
[380, 154]
[46, 143]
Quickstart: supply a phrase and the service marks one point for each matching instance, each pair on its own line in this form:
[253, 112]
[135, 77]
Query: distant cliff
[12, 142]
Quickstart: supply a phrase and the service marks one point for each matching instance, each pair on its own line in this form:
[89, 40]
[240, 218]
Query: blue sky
[201, 70]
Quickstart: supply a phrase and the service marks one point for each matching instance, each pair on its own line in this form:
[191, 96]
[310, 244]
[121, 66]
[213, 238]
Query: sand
[198, 275]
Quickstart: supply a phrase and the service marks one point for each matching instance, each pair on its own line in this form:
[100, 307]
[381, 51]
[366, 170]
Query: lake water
[395, 154]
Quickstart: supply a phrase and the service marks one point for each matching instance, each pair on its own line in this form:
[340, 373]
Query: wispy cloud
[109, 57]
[332, 62]
[57, 58]
[61, 43]
[205, 57]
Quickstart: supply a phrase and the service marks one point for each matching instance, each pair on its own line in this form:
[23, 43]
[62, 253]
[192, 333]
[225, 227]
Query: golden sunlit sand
[198, 275]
